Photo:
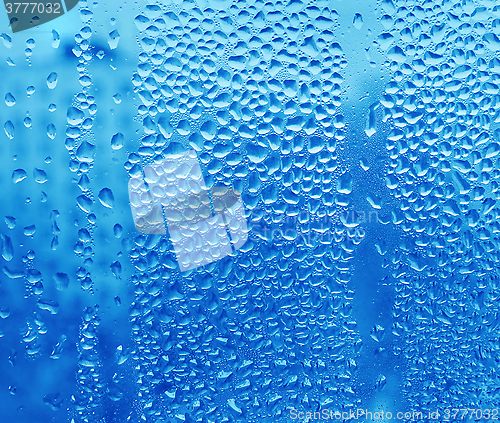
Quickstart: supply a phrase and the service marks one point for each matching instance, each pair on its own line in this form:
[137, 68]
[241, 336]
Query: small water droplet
[56, 39]
[117, 141]
[10, 221]
[51, 131]
[117, 230]
[10, 99]
[114, 38]
[357, 21]
[29, 230]
[52, 80]
[9, 129]
[7, 40]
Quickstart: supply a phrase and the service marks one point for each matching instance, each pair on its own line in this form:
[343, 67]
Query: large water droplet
[106, 198]
[85, 203]
[40, 176]
[344, 183]
[208, 130]
[10, 221]
[7, 247]
[29, 230]
[18, 175]
[85, 152]
[75, 116]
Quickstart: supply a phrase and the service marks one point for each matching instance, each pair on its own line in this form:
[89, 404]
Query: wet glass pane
[249, 211]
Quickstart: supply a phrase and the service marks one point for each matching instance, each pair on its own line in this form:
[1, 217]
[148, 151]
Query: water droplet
[9, 129]
[117, 230]
[374, 201]
[9, 100]
[183, 127]
[113, 39]
[165, 128]
[75, 116]
[371, 120]
[86, 14]
[344, 183]
[56, 39]
[40, 176]
[85, 81]
[7, 248]
[51, 131]
[10, 221]
[256, 153]
[117, 141]
[85, 152]
[62, 281]
[85, 203]
[106, 198]
[18, 175]
[52, 80]
[116, 269]
[7, 40]
[358, 21]
[29, 230]
[208, 130]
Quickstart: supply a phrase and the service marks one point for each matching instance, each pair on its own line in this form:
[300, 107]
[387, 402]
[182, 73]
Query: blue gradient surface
[363, 138]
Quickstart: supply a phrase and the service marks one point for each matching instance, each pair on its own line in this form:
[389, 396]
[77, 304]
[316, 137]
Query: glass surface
[250, 211]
